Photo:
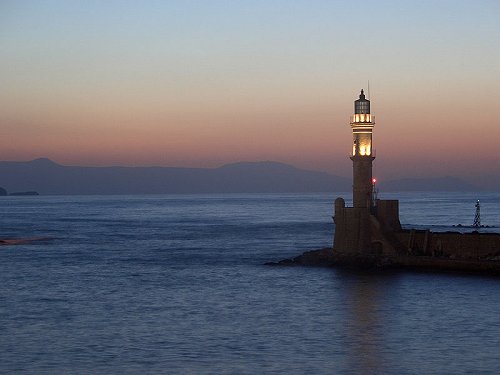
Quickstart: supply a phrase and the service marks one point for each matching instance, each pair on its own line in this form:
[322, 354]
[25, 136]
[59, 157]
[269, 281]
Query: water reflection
[363, 329]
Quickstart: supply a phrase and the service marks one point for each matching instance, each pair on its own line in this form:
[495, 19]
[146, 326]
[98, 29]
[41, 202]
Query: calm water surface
[176, 285]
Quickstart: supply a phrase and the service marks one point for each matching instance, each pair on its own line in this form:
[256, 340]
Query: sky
[204, 83]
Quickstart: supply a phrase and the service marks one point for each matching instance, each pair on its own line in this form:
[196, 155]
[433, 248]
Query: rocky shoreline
[327, 257]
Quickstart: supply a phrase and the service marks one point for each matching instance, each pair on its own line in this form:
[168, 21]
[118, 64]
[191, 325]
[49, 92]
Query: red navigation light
[374, 180]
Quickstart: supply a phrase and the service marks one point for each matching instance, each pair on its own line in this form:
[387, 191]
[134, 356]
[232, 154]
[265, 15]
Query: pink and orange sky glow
[204, 83]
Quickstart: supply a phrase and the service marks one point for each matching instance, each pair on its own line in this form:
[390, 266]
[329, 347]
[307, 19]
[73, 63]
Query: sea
[176, 284]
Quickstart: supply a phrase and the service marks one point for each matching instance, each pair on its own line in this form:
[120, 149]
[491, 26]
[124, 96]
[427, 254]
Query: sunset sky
[204, 83]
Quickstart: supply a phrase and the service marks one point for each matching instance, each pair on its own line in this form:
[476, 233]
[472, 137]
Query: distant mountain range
[46, 177]
[427, 184]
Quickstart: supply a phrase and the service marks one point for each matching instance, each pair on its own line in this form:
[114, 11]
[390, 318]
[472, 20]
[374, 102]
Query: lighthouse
[360, 229]
[362, 123]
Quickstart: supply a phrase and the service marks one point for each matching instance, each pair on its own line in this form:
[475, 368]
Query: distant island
[3, 192]
[24, 193]
[49, 178]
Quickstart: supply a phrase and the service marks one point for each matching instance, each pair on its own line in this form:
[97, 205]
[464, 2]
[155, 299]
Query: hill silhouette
[446, 183]
[47, 177]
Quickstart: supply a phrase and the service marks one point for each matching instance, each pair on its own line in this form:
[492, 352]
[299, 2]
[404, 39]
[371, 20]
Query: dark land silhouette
[47, 177]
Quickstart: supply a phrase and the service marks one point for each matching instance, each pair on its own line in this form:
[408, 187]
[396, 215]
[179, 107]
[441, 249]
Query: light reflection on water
[364, 327]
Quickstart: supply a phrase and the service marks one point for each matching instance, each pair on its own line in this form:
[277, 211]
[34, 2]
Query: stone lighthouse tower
[362, 123]
[362, 228]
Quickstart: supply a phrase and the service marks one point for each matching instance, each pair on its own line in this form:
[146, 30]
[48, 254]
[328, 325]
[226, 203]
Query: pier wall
[473, 245]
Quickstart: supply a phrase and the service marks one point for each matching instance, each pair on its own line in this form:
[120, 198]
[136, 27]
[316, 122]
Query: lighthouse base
[372, 239]
[367, 231]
